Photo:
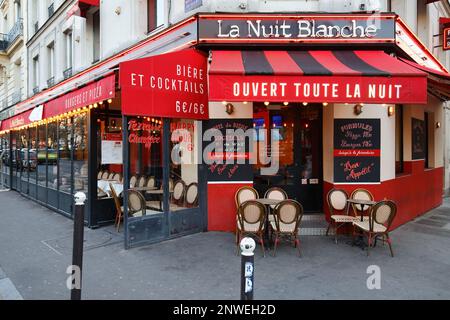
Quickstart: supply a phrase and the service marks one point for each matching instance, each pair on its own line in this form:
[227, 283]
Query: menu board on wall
[357, 150]
[112, 152]
[233, 149]
[418, 139]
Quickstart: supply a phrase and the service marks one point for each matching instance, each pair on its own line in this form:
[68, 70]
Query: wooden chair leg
[261, 240]
[277, 240]
[297, 244]
[328, 229]
[390, 244]
[369, 243]
[335, 232]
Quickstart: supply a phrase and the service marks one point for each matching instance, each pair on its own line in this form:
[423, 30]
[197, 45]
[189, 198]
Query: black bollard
[247, 268]
[78, 239]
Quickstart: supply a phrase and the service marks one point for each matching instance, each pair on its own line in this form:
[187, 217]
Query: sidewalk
[35, 251]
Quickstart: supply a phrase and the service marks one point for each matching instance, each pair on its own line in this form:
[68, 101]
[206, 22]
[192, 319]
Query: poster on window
[111, 152]
[228, 152]
[418, 139]
[357, 150]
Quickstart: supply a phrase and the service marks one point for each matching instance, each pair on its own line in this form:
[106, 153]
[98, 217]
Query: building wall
[123, 23]
[53, 31]
[13, 61]
[342, 111]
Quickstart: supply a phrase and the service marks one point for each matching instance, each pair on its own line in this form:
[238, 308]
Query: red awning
[314, 76]
[97, 91]
[90, 2]
[17, 121]
[171, 85]
[438, 81]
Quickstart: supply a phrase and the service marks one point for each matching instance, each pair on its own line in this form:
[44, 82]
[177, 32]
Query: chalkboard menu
[234, 155]
[357, 150]
[418, 139]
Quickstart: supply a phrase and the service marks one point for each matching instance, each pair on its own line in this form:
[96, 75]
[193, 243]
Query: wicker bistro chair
[119, 207]
[133, 181]
[99, 175]
[339, 209]
[141, 182]
[380, 221]
[361, 194]
[136, 204]
[276, 194]
[251, 222]
[179, 191]
[288, 216]
[117, 177]
[111, 176]
[242, 195]
[192, 195]
[105, 175]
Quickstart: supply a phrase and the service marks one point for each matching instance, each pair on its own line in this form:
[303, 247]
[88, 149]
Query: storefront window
[32, 154]
[80, 146]
[65, 164]
[42, 155]
[23, 155]
[4, 153]
[183, 183]
[52, 155]
[146, 160]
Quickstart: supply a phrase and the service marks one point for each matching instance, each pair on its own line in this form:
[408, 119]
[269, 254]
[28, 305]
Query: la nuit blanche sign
[306, 28]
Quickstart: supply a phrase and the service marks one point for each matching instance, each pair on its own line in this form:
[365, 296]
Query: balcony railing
[51, 10]
[16, 31]
[16, 97]
[6, 40]
[67, 73]
[51, 82]
[35, 90]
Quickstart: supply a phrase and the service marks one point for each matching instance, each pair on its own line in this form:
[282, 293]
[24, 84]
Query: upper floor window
[155, 14]
[69, 54]
[51, 64]
[36, 74]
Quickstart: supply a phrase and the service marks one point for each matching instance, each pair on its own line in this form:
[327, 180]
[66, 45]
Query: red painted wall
[222, 207]
[415, 192]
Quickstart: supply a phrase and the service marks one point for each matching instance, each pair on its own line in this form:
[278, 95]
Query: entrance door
[162, 167]
[297, 129]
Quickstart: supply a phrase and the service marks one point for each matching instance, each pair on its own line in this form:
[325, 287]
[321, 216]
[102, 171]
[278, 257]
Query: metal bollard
[248, 246]
[78, 239]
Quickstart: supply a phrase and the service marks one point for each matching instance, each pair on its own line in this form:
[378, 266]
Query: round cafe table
[362, 204]
[268, 203]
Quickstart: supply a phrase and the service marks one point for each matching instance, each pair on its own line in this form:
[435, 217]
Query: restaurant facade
[303, 102]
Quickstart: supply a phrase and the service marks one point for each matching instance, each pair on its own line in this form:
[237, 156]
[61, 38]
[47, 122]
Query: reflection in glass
[32, 156]
[52, 156]
[23, 155]
[80, 146]
[41, 155]
[183, 164]
[65, 164]
[146, 161]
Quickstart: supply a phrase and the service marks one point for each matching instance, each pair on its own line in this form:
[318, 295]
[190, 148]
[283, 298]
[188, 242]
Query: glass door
[162, 167]
[291, 134]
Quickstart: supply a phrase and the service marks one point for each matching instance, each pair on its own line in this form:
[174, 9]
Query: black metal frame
[142, 227]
